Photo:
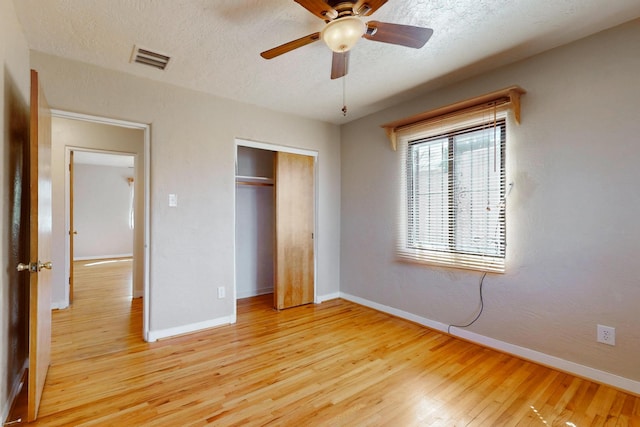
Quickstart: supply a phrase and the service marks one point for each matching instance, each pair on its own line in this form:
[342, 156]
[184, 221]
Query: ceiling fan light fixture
[343, 33]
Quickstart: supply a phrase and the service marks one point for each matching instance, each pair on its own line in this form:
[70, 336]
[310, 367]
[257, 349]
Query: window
[453, 193]
[131, 203]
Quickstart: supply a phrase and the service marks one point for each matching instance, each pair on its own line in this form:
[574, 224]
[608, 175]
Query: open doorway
[101, 204]
[74, 134]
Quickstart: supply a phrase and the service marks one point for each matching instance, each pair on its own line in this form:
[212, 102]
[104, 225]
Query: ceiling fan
[344, 27]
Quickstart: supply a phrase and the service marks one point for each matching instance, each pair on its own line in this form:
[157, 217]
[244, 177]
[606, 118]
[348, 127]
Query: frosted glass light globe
[343, 33]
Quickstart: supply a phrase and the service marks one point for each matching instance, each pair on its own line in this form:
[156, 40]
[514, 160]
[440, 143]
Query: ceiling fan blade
[404, 35]
[367, 7]
[287, 47]
[340, 64]
[319, 8]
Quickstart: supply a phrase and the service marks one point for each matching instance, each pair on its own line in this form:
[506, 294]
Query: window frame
[455, 257]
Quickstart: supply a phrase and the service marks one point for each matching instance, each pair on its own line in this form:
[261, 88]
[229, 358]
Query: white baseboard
[59, 305]
[322, 298]
[551, 361]
[398, 313]
[228, 320]
[254, 293]
[193, 327]
[87, 258]
[262, 291]
[582, 371]
[62, 305]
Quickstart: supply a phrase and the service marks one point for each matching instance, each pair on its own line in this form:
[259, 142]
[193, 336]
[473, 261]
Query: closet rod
[257, 184]
[254, 180]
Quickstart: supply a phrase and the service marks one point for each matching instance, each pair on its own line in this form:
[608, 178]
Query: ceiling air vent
[150, 58]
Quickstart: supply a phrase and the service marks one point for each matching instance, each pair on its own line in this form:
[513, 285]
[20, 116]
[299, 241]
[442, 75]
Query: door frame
[241, 142]
[69, 149]
[146, 200]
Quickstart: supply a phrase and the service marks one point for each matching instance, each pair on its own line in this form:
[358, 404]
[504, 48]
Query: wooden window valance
[505, 98]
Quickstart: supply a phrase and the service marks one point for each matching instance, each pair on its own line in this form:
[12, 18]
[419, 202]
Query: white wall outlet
[607, 335]
[221, 292]
[173, 200]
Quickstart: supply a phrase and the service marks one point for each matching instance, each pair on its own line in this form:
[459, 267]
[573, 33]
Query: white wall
[254, 240]
[102, 199]
[193, 156]
[572, 216]
[14, 115]
[91, 136]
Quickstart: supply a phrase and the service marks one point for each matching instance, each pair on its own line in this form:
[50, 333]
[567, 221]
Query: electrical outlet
[220, 292]
[607, 335]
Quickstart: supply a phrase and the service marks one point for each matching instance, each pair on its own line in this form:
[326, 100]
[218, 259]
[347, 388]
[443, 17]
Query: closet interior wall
[255, 229]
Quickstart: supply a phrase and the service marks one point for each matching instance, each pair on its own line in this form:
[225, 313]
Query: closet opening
[255, 226]
[275, 225]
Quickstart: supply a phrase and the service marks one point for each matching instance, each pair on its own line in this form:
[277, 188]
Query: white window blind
[453, 188]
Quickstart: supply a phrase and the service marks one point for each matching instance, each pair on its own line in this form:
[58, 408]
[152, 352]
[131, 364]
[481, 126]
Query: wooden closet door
[294, 211]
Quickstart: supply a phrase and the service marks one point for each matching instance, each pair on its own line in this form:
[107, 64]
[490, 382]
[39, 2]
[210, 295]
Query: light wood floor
[333, 364]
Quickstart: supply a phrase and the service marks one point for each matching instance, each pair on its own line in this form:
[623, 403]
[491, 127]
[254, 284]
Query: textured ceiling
[215, 45]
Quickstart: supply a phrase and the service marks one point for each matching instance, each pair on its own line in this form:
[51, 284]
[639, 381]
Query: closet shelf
[254, 180]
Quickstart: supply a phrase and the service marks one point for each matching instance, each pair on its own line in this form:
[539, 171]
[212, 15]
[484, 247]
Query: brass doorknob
[48, 265]
[23, 267]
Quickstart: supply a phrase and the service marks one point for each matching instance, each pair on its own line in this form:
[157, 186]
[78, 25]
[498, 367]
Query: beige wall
[14, 113]
[572, 230]
[572, 215]
[92, 136]
[102, 211]
[193, 156]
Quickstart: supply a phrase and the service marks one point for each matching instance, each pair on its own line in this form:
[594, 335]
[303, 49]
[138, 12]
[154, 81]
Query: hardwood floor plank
[332, 364]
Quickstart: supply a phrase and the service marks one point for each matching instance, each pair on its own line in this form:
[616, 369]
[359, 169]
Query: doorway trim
[69, 149]
[241, 142]
[146, 199]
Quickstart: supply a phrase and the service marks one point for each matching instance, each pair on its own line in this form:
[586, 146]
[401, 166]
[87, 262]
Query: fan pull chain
[344, 92]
